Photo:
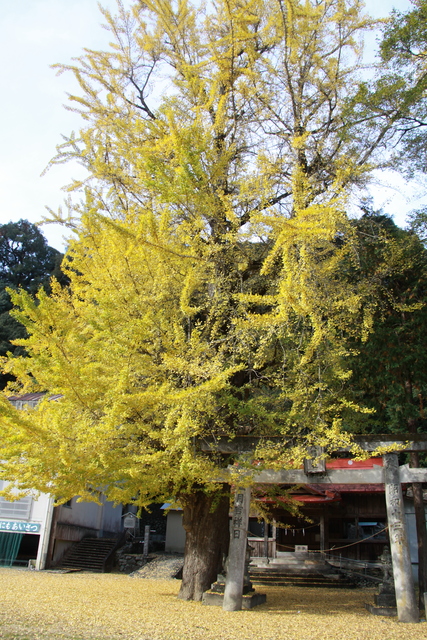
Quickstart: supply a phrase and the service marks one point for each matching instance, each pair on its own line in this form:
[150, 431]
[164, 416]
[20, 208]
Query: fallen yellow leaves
[85, 606]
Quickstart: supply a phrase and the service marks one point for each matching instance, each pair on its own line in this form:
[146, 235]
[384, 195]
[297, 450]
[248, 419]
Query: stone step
[283, 578]
[76, 562]
[312, 585]
[275, 568]
[295, 562]
[89, 554]
[91, 551]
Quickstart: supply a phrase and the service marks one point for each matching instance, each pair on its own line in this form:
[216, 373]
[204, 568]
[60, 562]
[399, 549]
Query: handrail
[108, 560]
[365, 563]
[345, 564]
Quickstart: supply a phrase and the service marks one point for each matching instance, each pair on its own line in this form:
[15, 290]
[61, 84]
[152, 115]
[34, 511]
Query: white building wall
[112, 518]
[39, 513]
[83, 514]
[72, 524]
[84, 519]
[104, 517]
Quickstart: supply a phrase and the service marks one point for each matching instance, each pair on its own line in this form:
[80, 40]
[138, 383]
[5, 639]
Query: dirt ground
[85, 606]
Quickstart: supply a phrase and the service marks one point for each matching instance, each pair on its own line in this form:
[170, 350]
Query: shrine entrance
[355, 527]
[382, 475]
[341, 521]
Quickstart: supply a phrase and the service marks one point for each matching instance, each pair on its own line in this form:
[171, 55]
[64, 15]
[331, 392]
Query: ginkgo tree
[205, 296]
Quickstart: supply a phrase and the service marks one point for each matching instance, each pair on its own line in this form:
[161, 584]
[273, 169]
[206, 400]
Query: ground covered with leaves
[85, 606]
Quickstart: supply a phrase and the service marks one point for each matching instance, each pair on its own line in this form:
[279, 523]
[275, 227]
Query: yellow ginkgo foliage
[206, 295]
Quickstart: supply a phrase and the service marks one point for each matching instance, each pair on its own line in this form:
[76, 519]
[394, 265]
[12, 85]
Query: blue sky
[35, 34]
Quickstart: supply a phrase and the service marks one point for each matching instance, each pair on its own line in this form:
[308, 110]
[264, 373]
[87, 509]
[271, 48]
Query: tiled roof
[32, 398]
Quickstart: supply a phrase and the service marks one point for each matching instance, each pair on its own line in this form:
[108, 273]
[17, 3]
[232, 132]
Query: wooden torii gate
[391, 475]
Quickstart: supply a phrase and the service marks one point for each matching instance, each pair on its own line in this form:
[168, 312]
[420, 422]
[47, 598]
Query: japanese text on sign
[19, 527]
[237, 515]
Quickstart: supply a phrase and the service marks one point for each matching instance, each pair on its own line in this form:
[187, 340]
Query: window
[18, 510]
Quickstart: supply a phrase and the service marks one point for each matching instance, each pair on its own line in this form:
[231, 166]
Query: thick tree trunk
[206, 522]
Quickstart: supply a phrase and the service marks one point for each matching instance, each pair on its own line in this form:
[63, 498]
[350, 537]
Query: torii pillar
[233, 593]
[407, 609]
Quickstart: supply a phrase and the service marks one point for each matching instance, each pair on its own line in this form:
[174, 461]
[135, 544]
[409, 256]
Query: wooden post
[322, 534]
[420, 521]
[407, 609]
[326, 528]
[273, 550]
[146, 540]
[265, 539]
[233, 592]
[52, 537]
[357, 535]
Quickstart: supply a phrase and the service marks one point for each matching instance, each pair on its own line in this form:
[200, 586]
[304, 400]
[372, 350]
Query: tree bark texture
[206, 522]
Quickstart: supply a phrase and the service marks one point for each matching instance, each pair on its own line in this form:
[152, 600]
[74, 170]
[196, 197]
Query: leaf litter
[89, 606]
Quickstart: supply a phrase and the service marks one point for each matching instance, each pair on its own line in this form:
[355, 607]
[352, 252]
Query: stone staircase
[297, 570]
[90, 554]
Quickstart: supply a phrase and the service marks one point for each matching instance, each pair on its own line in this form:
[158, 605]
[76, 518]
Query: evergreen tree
[26, 261]
[403, 48]
[390, 369]
[393, 106]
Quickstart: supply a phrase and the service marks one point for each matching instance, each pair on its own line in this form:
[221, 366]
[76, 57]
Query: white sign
[129, 522]
[19, 527]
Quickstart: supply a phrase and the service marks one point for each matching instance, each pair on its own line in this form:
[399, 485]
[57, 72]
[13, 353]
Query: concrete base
[219, 587]
[249, 600]
[387, 600]
[381, 611]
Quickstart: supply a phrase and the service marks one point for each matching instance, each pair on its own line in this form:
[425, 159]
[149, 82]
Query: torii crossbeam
[390, 475]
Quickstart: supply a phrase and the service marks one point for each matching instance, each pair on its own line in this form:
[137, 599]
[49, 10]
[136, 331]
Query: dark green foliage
[26, 261]
[391, 109]
[390, 370]
[403, 48]
[417, 223]
[405, 35]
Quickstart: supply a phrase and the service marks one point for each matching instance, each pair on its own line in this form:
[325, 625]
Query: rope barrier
[309, 526]
[351, 544]
[289, 528]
